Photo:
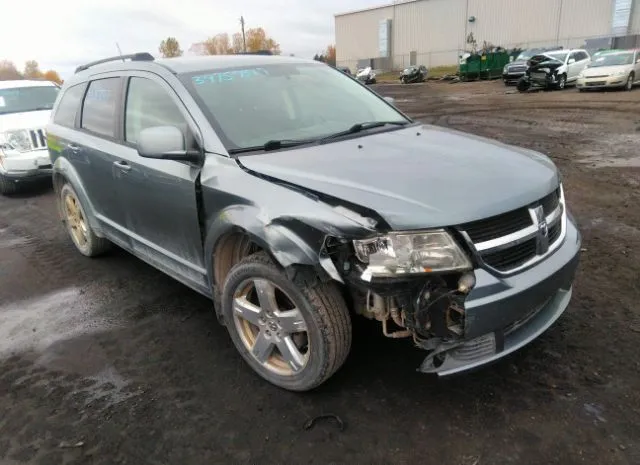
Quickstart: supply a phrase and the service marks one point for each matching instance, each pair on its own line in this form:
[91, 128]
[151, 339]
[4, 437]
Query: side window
[574, 55]
[149, 105]
[99, 109]
[68, 106]
[582, 56]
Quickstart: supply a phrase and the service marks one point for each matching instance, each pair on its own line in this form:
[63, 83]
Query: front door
[573, 66]
[159, 195]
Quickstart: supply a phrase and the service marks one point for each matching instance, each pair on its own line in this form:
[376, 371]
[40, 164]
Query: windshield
[292, 101]
[22, 99]
[524, 56]
[560, 56]
[617, 59]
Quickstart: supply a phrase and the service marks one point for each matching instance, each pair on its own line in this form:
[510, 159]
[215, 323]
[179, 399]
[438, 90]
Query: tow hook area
[449, 357]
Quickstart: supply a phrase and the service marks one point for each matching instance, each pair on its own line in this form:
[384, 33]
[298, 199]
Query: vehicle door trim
[153, 246]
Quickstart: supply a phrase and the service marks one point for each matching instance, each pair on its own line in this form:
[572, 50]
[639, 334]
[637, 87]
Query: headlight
[18, 140]
[619, 73]
[580, 76]
[410, 253]
[505, 69]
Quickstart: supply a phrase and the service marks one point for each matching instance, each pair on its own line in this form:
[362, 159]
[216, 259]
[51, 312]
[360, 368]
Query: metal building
[435, 32]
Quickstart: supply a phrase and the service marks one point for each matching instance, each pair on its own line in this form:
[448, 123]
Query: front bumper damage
[464, 327]
[505, 314]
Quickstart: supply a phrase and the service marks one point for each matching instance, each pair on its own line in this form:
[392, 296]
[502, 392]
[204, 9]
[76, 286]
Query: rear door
[91, 153]
[159, 196]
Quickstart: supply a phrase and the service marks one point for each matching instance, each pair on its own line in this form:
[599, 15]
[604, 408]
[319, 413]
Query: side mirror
[165, 143]
[390, 100]
[572, 61]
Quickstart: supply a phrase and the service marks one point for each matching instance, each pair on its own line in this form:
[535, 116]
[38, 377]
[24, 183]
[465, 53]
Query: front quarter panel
[290, 225]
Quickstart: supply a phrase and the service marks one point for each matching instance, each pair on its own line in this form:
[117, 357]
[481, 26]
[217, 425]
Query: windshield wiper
[273, 145]
[362, 127]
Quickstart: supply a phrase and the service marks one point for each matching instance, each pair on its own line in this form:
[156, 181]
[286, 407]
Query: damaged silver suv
[238, 176]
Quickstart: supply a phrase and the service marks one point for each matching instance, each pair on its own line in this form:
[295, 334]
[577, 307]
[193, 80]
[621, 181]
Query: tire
[523, 85]
[629, 85]
[7, 187]
[318, 307]
[562, 83]
[79, 229]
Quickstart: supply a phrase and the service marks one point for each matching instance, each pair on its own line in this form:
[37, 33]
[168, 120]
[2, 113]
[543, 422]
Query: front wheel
[523, 85]
[629, 84]
[562, 83]
[295, 334]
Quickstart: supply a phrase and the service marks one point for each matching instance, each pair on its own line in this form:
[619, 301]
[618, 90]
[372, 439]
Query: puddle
[35, 324]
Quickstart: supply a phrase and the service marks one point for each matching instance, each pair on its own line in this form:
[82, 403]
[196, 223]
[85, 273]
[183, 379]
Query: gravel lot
[113, 357]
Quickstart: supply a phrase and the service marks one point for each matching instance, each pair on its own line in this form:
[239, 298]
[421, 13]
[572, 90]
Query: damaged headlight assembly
[402, 253]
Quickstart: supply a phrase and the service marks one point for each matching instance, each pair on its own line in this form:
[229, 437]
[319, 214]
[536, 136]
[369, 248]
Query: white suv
[25, 108]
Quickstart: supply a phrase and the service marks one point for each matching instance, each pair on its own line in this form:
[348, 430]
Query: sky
[63, 34]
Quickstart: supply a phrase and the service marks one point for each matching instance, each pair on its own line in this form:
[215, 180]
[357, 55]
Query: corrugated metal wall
[435, 29]
[635, 18]
[357, 35]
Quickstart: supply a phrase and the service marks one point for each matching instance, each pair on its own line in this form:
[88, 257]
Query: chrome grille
[38, 138]
[512, 257]
[516, 239]
[497, 226]
[517, 69]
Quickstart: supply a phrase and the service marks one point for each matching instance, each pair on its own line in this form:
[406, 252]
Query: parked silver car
[615, 69]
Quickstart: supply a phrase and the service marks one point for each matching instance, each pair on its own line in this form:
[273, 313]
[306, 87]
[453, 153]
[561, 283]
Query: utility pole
[244, 39]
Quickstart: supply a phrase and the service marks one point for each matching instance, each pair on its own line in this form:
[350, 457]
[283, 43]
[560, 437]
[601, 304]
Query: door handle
[123, 165]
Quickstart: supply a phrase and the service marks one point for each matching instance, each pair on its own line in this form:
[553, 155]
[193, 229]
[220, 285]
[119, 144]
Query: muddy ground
[113, 357]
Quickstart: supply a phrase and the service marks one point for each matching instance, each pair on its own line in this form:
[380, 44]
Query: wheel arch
[239, 231]
[64, 172]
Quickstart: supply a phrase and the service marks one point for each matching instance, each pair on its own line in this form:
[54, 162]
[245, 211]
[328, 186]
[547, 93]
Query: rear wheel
[629, 84]
[295, 334]
[78, 226]
[7, 187]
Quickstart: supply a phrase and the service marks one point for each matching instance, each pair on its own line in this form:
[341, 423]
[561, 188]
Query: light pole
[244, 39]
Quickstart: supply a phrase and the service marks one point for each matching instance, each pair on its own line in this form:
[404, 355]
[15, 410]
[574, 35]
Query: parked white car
[618, 68]
[25, 108]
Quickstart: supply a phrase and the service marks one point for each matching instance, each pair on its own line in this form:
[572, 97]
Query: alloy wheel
[271, 327]
[75, 220]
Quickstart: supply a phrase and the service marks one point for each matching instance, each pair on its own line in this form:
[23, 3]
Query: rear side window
[68, 106]
[149, 105]
[100, 104]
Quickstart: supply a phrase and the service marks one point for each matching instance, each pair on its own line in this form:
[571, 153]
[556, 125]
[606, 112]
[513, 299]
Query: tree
[170, 48]
[330, 55]
[237, 43]
[53, 76]
[8, 71]
[32, 70]
[219, 44]
[257, 39]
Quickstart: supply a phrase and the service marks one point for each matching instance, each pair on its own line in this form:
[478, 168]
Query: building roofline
[378, 7]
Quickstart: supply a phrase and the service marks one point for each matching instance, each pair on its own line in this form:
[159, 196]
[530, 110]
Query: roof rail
[141, 56]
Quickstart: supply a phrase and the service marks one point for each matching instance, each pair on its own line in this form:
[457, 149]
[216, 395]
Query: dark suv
[237, 176]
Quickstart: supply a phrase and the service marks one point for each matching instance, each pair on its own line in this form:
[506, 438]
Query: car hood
[25, 120]
[606, 70]
[417, 177]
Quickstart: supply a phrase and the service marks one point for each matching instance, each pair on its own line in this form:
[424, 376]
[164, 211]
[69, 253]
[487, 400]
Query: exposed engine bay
[428, 309]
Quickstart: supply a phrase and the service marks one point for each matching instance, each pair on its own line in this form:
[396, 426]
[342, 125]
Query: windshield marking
[220, 77]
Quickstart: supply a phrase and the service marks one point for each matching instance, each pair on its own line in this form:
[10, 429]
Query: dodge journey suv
[237, 176]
